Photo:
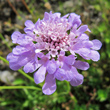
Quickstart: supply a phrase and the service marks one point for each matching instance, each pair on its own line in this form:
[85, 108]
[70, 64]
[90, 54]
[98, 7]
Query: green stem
[26, 75]
[19, 87]
[22, 72]
[4, 60]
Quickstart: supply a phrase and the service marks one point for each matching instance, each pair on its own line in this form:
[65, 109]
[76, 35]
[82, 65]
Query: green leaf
[102, 27]
[97, 7]
[6, 103]
[26, 103]
[18, 82]
[102, 95]
[34, 42]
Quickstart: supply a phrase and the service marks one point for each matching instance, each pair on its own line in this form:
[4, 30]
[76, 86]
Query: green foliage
[18, 82]
[102, 95]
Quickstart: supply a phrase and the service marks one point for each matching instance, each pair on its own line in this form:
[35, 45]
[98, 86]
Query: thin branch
[24, 3]
[13, 8]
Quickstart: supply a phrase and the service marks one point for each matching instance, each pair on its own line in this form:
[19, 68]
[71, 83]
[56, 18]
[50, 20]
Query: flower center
[54, 36]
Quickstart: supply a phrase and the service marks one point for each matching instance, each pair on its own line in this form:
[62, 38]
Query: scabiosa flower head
[50, 47]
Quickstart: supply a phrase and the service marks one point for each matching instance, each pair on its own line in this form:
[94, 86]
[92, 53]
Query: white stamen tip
[37, 50]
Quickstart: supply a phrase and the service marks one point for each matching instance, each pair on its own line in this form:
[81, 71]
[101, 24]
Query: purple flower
[50, 46]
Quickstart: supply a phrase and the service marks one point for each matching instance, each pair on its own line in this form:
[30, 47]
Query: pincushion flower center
[55, 37]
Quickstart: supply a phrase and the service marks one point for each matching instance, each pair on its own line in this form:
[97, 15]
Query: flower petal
[15, 36]
[14, 66]
[60, 74]
[96, 44]
[51, 67]
[70, 60]
[12, 58]
[74, 19]
[31, 66]
[87, 44]
[57, 14]
[77, 78]
[77, 46]
[81, 65]
[94, 55]
[50, 85]
[13, 61]
[29, 24]
[83, 37]
[72, 36]
[39, 76]
[46, 16]
[17, 62]
[83, 51]
[19, 50]
[81, 30]
[69, 75]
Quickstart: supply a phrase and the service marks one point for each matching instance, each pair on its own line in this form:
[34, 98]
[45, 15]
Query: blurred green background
[93, 94]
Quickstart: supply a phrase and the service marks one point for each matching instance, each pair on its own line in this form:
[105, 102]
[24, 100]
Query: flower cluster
[50, 46]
